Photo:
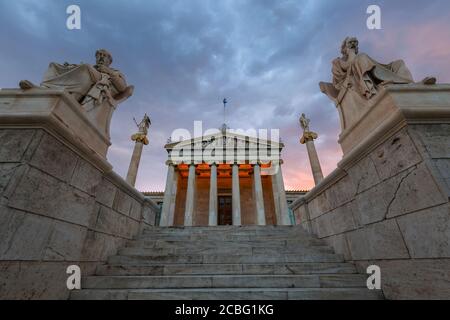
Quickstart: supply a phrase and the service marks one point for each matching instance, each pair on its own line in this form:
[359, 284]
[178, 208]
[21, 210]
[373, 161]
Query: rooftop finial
[225, 101]
[224, 125]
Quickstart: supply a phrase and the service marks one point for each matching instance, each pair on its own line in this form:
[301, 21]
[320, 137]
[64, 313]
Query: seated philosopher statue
[98, 89]
[360, 73]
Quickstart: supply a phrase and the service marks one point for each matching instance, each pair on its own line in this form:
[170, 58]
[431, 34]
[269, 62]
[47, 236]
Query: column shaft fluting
[314, 161]
[259, 199]
[236, 196]
[190, 197]
[213, 197]
[284, 210]
[134, 163]
[165, 211]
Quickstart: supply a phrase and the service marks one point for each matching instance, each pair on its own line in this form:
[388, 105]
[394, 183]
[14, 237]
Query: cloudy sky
[184, 56]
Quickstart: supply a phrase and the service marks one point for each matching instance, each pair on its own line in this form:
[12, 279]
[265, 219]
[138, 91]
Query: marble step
[139, 251]
[225, 281]
[223, 269]
[228, 229]
[231, 294]
[242, 233]
[215, 229]
[225, 237]
[226, 259]
[222, 243]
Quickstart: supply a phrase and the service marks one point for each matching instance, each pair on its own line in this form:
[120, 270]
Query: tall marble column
[213, 215]
[190, 197]
[236, 196]
[259, 199]
[140, 139]
[166, 219]
[308, 139]
[134, 163]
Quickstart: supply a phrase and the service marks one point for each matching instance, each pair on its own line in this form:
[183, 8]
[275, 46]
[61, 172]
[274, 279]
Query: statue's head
[350, 43]
[147, 120]
[103, 57]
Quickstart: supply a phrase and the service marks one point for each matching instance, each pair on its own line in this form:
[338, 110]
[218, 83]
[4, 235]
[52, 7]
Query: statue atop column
[360, 73]
[141, 135]
[140, 139]
[307, 139]
[98, 88]
[304, 123]
[308, 135]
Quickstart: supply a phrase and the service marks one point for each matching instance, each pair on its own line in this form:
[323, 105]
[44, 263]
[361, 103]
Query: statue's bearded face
[103, 58]
[352, 44]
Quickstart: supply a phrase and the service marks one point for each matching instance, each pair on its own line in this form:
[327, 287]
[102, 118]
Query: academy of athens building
[225, 179]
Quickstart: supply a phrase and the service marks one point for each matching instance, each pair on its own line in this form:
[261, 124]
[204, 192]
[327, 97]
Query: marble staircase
[226, 263]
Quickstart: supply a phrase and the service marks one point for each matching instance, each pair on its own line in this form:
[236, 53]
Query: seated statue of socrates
[98, 88]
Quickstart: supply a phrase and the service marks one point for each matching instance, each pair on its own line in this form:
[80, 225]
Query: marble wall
[389, 205]
[57, 209]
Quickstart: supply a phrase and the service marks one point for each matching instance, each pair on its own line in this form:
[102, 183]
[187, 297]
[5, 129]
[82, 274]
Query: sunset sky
[185, 56]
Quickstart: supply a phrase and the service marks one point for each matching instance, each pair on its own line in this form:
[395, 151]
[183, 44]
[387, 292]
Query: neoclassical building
[225, 178]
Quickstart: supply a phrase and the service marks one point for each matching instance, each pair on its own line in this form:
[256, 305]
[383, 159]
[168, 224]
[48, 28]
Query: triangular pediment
[241, 141]
[224, 147]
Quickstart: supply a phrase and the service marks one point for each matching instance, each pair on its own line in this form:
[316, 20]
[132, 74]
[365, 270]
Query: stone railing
[60, 202]
[387, 203]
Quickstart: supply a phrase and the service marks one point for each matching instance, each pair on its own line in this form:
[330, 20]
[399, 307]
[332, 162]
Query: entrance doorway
[225, 211]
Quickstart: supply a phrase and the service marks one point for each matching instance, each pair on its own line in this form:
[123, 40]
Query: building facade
[225, 178]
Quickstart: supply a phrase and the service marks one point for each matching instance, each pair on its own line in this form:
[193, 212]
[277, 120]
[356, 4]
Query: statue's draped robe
[83, 82]
[93, 89]
[364, 74]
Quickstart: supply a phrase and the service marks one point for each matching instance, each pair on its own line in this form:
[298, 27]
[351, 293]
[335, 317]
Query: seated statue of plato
[98, 89]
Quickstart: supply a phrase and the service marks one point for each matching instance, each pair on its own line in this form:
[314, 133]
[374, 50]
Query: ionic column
[236, 196]
[140, 139]
[213, 196]
[173, 198]
[276, 198]
[166, 220]
[257, 185]
[284, 210]
[190, 197]
[308, 139]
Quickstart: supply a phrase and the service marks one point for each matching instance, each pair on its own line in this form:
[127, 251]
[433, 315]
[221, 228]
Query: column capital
[278, 162]
[308, 136]
[190, 163]
[140, 138]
